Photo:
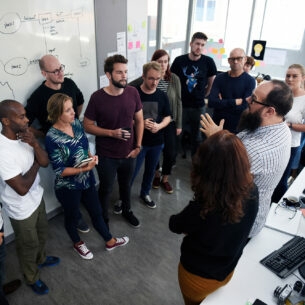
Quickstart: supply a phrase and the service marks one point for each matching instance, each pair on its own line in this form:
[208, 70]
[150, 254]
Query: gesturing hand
[208, 127]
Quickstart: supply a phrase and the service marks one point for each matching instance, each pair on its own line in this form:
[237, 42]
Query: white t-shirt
[296, 116]
[17, 158]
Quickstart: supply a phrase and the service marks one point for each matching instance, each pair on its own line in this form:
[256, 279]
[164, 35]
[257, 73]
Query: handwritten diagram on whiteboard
[31, 29]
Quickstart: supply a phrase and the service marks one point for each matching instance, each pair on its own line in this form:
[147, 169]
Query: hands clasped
[208, 127]
[151, 125]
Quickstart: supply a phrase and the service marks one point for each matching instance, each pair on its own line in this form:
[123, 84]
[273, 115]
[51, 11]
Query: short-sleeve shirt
[36, 107]
[194, 78]
[156, 107]
[17, 157]
[113, 112]
[66, 151]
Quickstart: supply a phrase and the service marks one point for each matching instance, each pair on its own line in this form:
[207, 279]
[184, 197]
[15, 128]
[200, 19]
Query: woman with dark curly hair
[217, 222]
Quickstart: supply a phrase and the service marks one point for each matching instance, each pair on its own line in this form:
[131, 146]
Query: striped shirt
[163, 85]
[268, 148]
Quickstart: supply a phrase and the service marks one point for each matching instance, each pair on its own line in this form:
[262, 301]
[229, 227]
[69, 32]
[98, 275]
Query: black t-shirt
[36, 107]
[155, 106]
[194, 78]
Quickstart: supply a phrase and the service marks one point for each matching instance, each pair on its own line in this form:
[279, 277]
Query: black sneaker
[40, 287]
[117, 209]
[133, 220]
[147, 200]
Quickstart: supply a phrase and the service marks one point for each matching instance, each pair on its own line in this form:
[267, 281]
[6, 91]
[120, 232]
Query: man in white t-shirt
[21, 193]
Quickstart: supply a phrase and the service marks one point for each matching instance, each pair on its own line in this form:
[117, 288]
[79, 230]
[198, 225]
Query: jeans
[151, 154]
[3, 300]
[191, 119]
[282, 186]
[70, 201]
[30, 237]
[170, 149]
[107, 169]
[2, 268]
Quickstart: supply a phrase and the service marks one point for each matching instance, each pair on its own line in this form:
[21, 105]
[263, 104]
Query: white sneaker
[82, 250]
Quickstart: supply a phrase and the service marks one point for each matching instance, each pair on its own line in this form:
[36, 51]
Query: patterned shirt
[66, 151]
[268, 148]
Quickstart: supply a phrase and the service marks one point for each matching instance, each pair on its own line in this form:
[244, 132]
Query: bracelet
[138, 146]
[81, 170]
[290, 125]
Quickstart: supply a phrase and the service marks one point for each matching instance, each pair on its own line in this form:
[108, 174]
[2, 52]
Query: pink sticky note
[130, 45]
[138, 44]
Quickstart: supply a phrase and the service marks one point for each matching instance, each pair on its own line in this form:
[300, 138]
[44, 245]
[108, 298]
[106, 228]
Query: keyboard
[286, 259]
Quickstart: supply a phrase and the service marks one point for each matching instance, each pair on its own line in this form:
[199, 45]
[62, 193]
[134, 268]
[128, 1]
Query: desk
[251, 279]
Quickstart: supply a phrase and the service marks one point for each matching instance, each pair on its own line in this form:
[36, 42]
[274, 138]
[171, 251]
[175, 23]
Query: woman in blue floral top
[67, 145]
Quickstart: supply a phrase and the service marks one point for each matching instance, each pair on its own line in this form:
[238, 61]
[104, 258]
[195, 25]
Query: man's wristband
[290, 125]
[138, 146]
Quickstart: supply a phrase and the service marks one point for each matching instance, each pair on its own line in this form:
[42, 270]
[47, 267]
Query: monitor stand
[302, 270]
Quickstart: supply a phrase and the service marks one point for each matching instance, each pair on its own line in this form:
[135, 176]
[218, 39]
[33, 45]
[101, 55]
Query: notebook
[283, 219]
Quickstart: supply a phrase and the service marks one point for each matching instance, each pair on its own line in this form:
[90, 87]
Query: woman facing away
[295, 119]
[217, 222]
[170, 84]
[67, 145]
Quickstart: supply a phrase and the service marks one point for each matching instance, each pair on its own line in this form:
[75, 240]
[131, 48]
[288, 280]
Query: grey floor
[143, 272]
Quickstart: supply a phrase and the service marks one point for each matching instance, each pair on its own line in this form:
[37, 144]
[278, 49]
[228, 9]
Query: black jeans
[108, 169]
[170, 149]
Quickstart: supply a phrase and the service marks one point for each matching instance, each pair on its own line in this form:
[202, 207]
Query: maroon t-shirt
[113, 112]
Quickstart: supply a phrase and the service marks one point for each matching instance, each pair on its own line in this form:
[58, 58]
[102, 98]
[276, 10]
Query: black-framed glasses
[283, 205]
[254, 100]
[239, 58]
[57, 71]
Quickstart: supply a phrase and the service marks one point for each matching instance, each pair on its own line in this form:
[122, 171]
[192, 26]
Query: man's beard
[118, 84]
[250, 121]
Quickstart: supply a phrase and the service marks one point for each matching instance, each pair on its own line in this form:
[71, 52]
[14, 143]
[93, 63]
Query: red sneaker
[167, 187]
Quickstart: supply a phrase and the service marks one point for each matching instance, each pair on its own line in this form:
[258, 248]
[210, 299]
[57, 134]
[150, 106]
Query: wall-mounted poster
[258, 49]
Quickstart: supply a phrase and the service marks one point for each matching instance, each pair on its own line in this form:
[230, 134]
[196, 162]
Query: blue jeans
[2, 269]
[70, 201]
[151, 154]
[108, 169]
[3, 300]
[191, 120]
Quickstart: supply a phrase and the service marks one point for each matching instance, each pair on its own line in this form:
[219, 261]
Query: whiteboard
[30, 29]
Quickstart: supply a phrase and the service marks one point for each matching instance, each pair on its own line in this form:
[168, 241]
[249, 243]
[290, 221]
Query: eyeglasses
[57, 71]
[284, 205]
[254, 100]
[240, 58]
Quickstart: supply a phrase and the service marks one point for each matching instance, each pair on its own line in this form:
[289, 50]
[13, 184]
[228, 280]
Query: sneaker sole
[117, 213]
[155, 187]
[84, 257]
[121, 245]
[83, 231]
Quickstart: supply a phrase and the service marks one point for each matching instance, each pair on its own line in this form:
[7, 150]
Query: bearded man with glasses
[266, 137]
[230, 90]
